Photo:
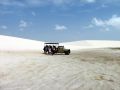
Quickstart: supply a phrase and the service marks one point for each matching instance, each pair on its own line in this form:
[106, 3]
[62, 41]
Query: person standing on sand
[52, 52]
[54, 49]
[49, 49]
[45, 49]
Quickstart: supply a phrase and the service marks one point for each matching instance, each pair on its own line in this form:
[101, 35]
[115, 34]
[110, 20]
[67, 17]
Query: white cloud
[60, 27]
[58, 2]
[11, 2]
[23, 24]
[4, 27]
[89, 1]
[41, 2]
[106, 24]
[54, 2]
[98, 22]
[114, 21]
[34, 2]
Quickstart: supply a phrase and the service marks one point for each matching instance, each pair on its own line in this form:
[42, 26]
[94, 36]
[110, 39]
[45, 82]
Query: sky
[60, 20]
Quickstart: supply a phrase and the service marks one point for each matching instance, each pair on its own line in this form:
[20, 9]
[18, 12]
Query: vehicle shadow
[54, 54]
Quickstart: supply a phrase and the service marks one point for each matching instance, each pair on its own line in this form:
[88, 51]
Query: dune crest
[90, 44]
[9, 43]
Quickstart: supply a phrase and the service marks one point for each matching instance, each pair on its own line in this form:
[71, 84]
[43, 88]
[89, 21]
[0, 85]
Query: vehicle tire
[67, 53]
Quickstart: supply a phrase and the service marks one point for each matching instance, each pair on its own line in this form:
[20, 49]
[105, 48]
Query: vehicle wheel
[67, 53]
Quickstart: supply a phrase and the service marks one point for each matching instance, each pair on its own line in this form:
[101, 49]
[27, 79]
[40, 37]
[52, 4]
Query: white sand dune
[90, 44]
[8, 43]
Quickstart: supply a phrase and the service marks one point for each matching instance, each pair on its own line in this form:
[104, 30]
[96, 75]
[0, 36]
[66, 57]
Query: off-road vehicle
[54, 48]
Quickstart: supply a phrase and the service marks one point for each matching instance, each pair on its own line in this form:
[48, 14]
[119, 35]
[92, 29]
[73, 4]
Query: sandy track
[83, 70]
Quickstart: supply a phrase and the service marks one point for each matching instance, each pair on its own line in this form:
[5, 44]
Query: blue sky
[61, 20]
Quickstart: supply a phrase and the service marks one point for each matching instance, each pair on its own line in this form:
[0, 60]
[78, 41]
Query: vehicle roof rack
[51, 43]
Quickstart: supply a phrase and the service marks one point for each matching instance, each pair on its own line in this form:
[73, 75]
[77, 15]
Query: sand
[90, 66]
[96, 69]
